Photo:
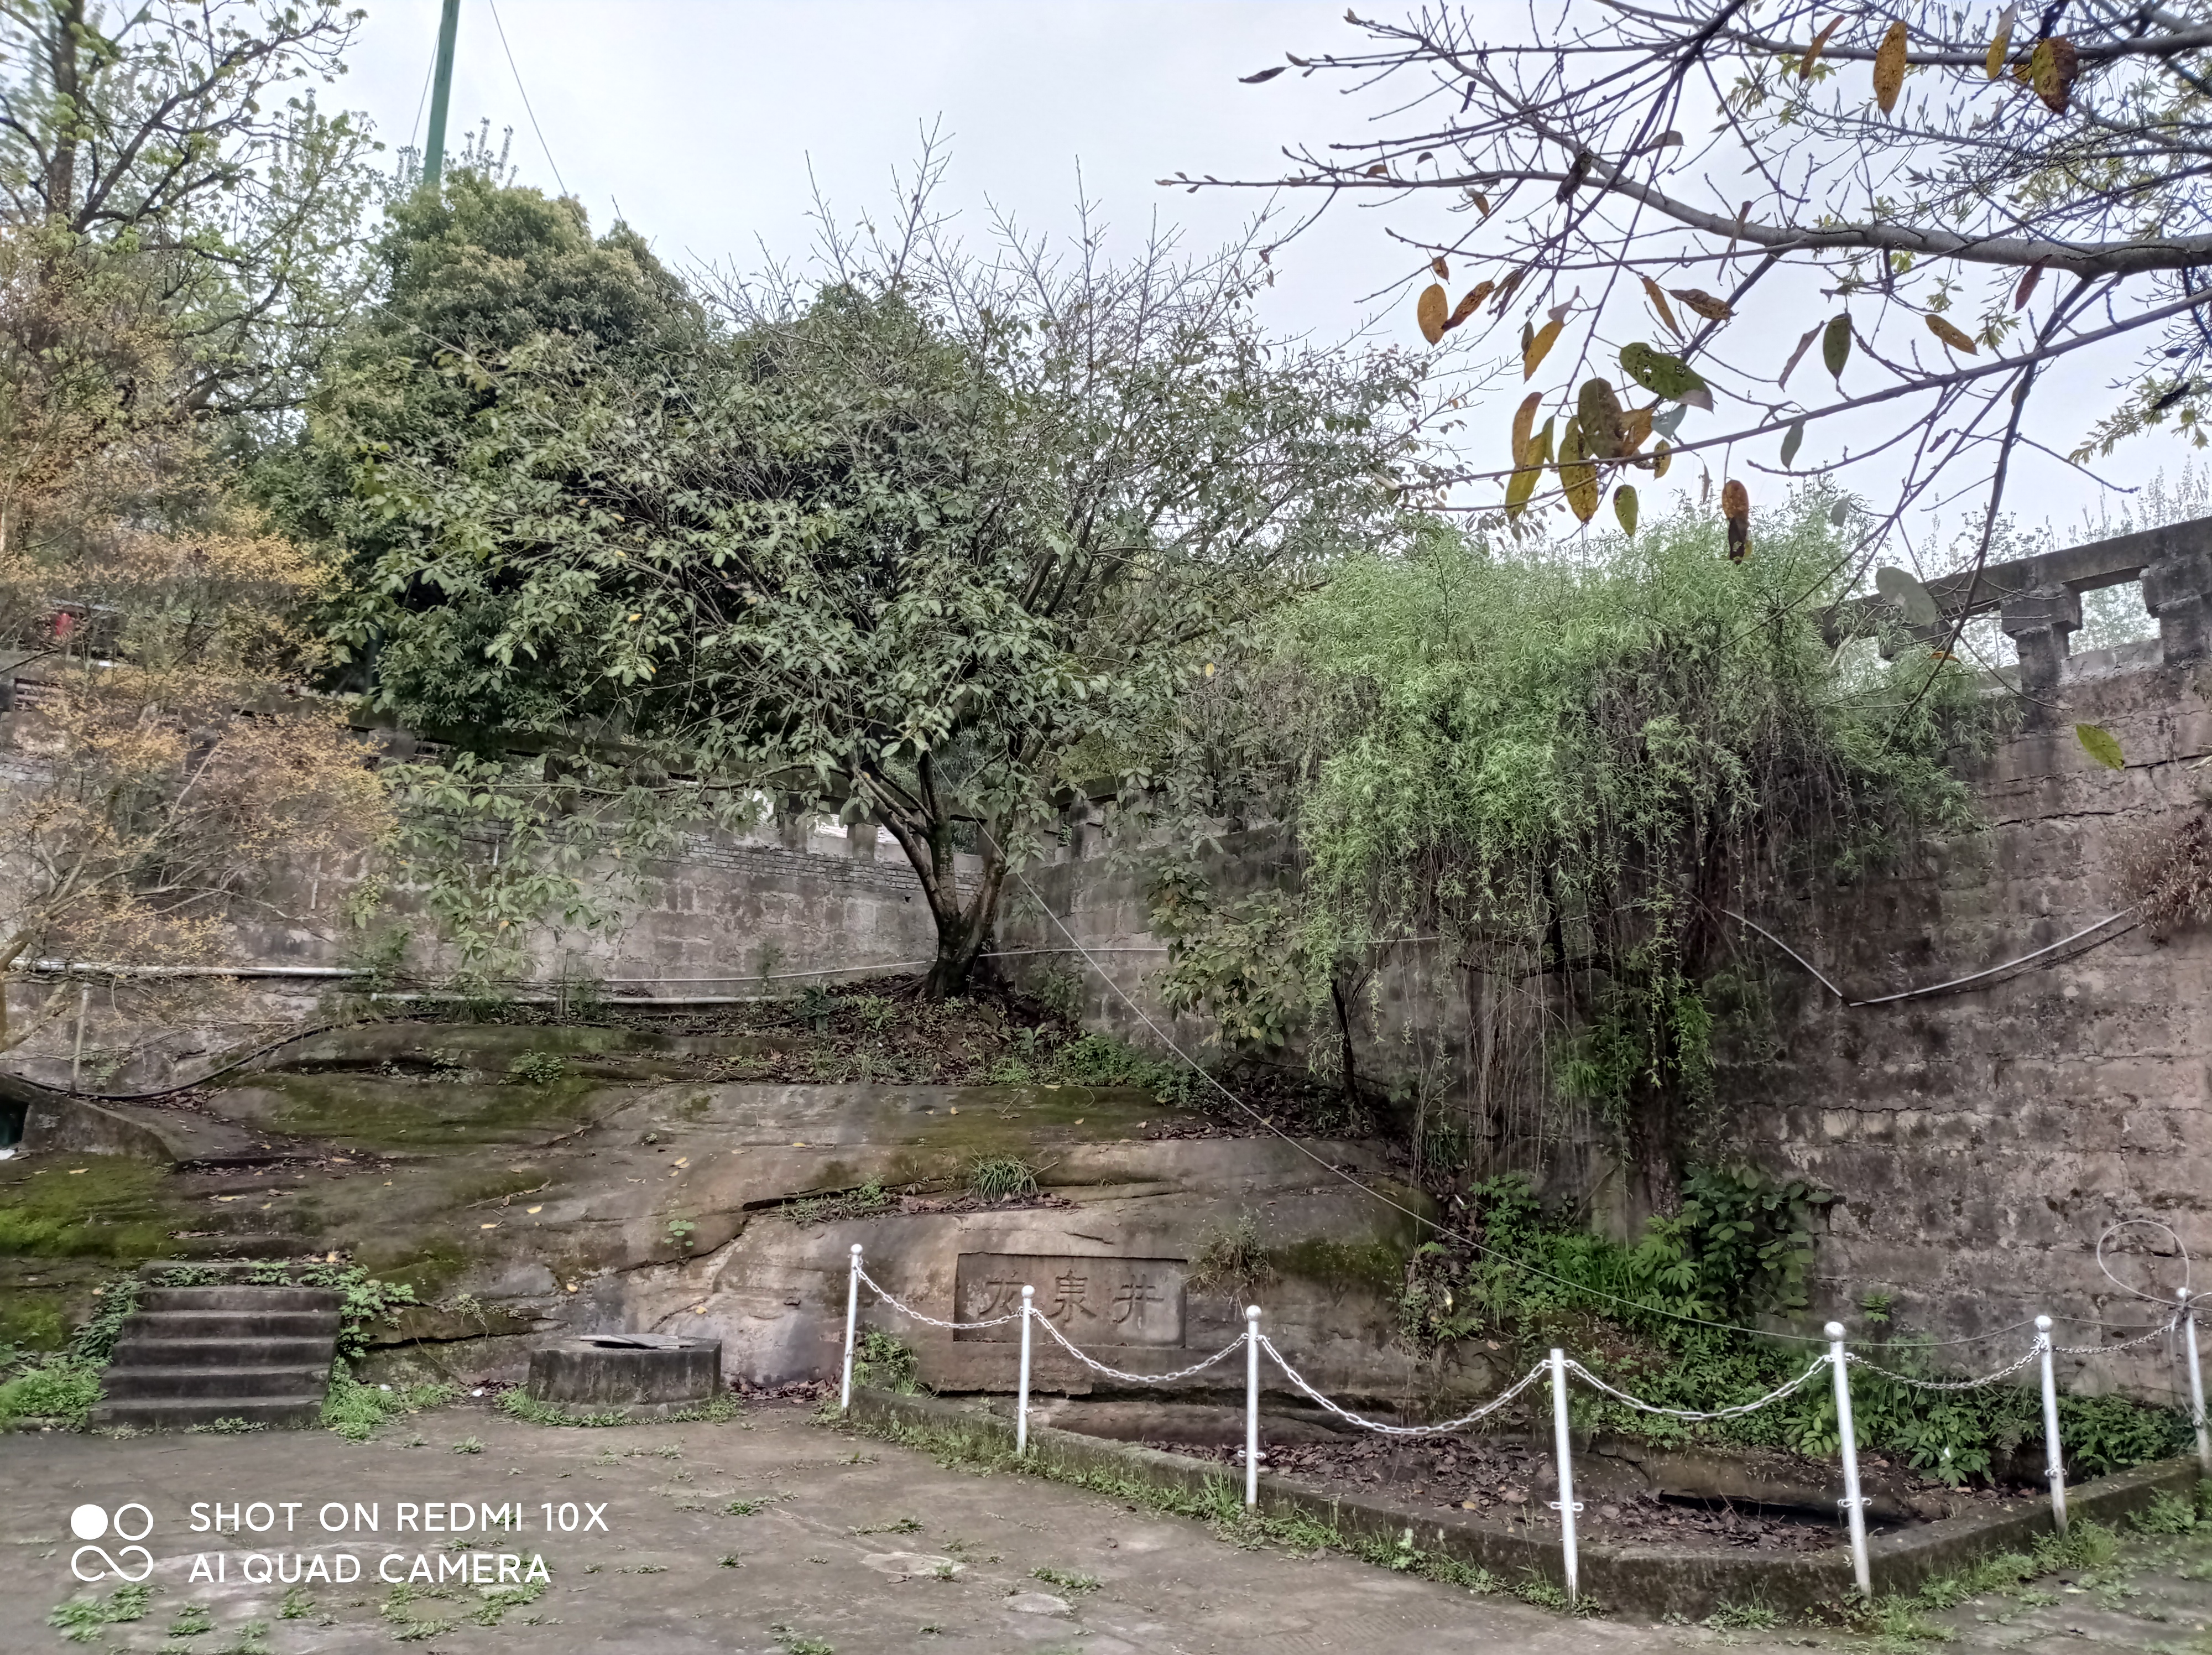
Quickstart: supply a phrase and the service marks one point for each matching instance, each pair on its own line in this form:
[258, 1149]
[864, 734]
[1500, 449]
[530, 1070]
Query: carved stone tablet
[1094, 1299]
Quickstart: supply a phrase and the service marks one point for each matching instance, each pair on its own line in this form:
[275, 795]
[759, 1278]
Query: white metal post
[2196, 1382]
[1022, 1403]
[1563, 1442]
[1852, 1503]
[1251, 1404]
[2054, 1459]
[852, 1319]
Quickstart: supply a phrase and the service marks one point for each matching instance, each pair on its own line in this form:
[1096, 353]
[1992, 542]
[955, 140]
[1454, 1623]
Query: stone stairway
[192, 1356]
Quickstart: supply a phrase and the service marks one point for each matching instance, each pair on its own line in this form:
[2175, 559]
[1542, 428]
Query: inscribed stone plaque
[1093, 1301]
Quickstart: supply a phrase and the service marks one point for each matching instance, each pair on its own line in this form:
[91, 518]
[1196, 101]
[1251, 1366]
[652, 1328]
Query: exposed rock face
[728, 1212]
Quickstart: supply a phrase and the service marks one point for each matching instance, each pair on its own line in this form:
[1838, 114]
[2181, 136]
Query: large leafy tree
[462, 280]
[185, 140]
[915, 540]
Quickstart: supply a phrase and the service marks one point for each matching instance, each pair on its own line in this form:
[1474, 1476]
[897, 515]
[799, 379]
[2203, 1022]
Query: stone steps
[192, 1356]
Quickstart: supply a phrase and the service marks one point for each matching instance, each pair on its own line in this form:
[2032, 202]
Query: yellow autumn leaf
[1532, 354]
[1577, 476]
[1467, 305]
[1658, 295]
[2001, 46]
[1889, 67]
[1956, 338]
[1524, 425]
[1434, 307]
[1813, 52]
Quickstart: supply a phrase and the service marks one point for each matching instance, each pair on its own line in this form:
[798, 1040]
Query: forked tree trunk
[965, 920]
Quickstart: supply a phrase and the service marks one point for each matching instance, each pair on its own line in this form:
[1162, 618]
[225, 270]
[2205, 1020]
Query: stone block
[637, 1372]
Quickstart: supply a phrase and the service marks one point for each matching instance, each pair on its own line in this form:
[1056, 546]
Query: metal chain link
[2099, 1350]
[904, 1309]
[1737, 1411]
[1346, 1414]
[2005, 1372]
[1235, 1344]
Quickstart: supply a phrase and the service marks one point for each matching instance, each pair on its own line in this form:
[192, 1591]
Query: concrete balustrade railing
[2037, 601]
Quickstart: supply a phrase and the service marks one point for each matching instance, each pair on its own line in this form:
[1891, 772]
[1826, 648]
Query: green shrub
[63, 1389]
[1736, 1250]
[1100, 1059]
[538, 1069]
[883, 1361]
[353, 1411]
[1000, 1177]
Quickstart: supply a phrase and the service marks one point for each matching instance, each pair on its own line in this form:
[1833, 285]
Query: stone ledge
[1653, 1583]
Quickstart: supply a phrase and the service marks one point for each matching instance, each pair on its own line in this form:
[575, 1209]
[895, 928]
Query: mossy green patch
[93, 1206]
[376, 1111]
[35, 1323]
[1373, 1263]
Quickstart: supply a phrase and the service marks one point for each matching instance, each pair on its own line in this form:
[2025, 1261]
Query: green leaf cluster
[897, 544]
[1571, 763]
[1673, 1319]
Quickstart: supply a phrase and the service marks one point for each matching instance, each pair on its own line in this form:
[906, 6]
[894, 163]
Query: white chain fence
[1383, 1429]
[2126, 1344]
[907, 1310]
[1835, 1361]
[1818, 1364]
[1050, 1327]
[1917, 1384]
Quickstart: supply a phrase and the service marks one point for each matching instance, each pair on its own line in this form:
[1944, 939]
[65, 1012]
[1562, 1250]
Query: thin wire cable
[1231, 1349]
[1737, 1411]
[518, 87]
[1377, 1425]
[429, 72]
[904, 1309]
[1933, 987]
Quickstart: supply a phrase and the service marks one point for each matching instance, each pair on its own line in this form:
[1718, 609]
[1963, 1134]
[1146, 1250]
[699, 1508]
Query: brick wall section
[1982, 1139]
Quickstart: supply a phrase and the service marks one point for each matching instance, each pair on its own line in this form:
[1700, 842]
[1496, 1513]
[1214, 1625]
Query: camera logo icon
[129, 1522]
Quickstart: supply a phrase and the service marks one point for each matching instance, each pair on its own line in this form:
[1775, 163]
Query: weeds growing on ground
[1000, 1177]
[1065, 1579]
[80, 1618]
[884, 1361]
[720, 1410]
[353, 1411]
[870, 1200]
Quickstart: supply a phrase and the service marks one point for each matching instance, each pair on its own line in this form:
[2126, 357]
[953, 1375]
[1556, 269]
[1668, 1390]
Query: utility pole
[441, 93]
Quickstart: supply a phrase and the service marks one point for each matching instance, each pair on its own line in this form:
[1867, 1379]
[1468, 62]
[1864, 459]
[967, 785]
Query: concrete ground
[773, 1534]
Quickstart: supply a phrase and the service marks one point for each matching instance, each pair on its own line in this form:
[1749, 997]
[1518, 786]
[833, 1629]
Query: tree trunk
[963, 928]
[1344, 1045]
[68, 87]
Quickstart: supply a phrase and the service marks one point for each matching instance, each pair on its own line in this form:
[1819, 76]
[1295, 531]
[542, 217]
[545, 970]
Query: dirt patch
[1514, 1483]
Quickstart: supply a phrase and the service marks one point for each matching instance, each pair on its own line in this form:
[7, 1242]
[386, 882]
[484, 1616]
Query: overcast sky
[710, 123]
